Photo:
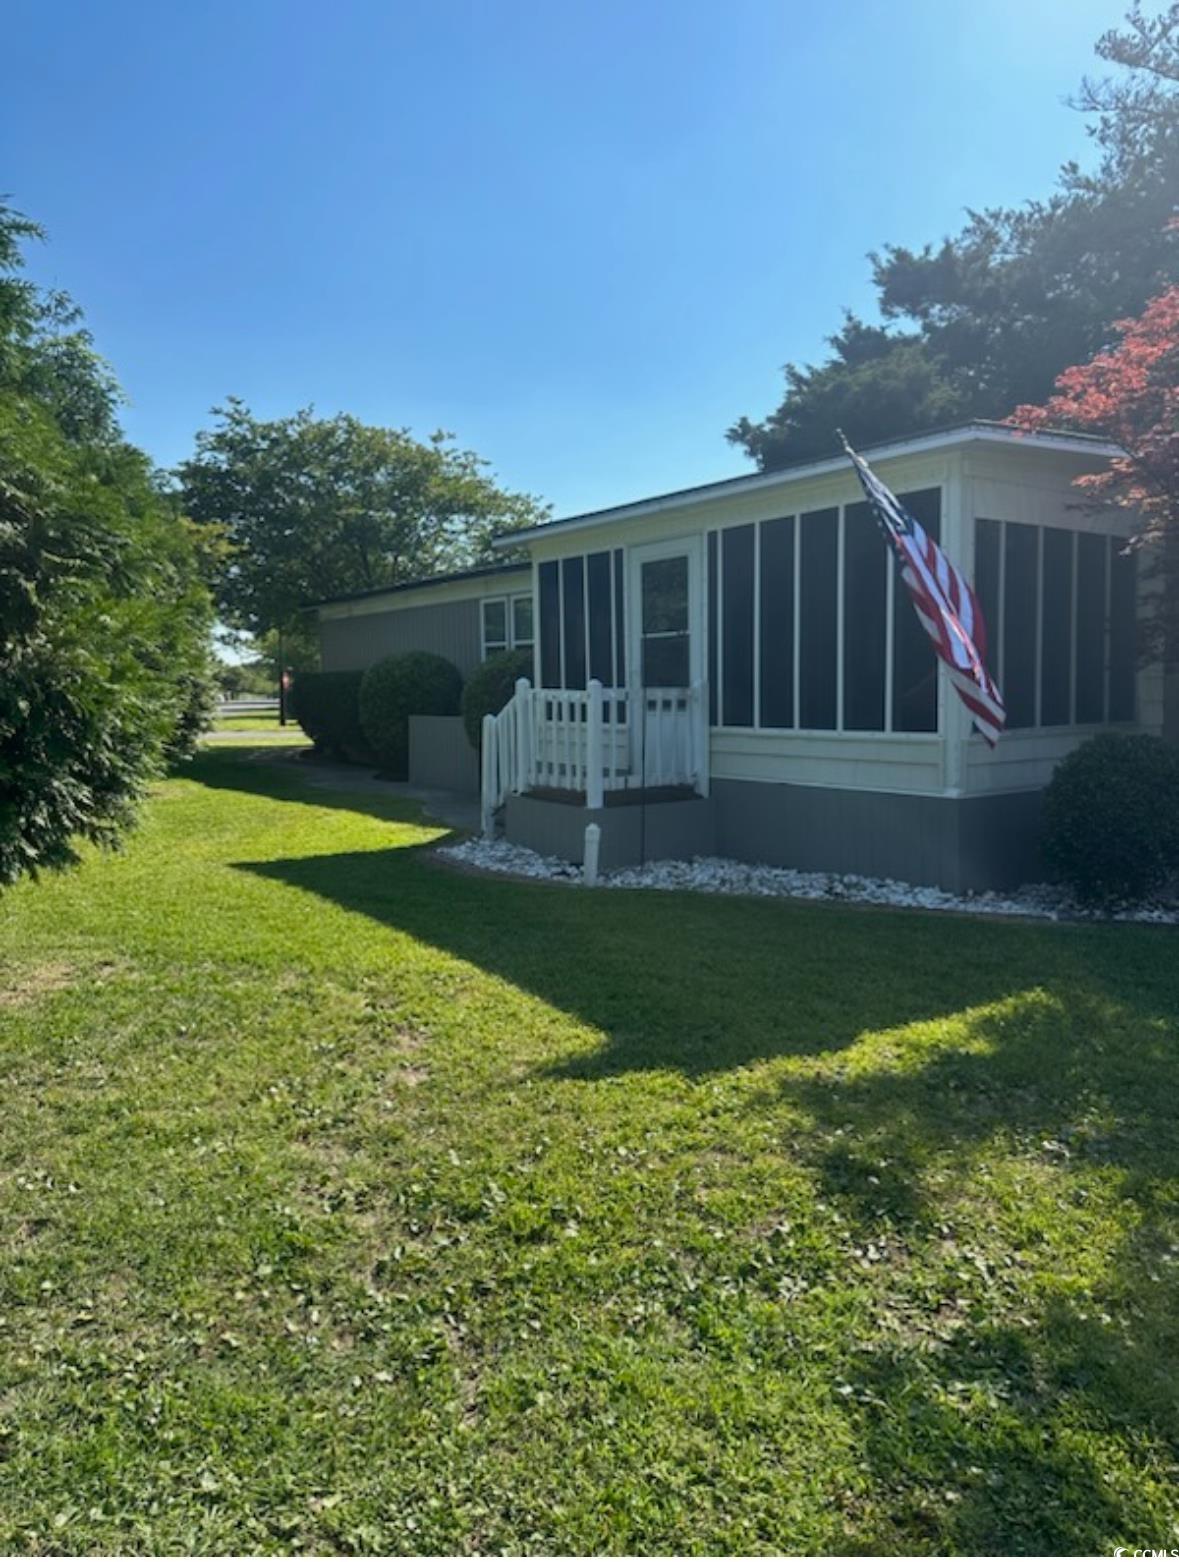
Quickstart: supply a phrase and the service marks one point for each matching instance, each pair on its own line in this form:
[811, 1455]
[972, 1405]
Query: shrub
[1111, 818]
[327, 707]
[417, 683]
[198, 701]
[490, 687]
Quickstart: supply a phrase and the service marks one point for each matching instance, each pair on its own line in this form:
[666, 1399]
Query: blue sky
[584, 237]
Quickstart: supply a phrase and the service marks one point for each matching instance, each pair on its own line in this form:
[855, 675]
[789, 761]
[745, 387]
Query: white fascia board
[741, 487]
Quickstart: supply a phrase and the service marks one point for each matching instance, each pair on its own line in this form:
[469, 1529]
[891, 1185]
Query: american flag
[945, 604]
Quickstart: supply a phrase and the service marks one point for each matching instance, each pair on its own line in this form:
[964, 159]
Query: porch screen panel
[987, 539]
[914, 665]
[713, 630]
[549, 602]
[573, 620]
[865, 581]
[1091, 559]
[1056, 598]
[818, 563]
[777, 623]
[600, 587]
[1021, 594]
[619, 618]
[737, 662]
[1123, 601]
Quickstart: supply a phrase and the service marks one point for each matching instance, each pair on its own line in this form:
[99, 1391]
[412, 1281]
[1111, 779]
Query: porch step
[622, 798]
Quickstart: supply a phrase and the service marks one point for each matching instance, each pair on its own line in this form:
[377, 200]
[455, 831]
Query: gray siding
[449, 629]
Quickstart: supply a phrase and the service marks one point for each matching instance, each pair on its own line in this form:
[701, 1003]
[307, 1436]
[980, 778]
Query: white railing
[594, 740]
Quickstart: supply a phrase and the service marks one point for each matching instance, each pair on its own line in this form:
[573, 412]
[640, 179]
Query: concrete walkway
[456, 809]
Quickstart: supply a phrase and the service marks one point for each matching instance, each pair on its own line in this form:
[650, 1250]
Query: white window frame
[510, 641]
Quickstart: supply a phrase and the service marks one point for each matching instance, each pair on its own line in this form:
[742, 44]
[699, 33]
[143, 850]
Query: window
[776, 620]
[665, 627]
[1056, 633]
[914, 665]
[808, 628]
[818, 619]
[522, 621]
[495, 625]
[866, 567]
[737, 633]
[582, 626]
[1060, 608]
[506, 623]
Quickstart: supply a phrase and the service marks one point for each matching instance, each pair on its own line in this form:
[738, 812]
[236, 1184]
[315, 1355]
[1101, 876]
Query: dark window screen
[1123, 600]
[987, 535]
[665, 625]
[619, 618]
[1091, 552]
[777, 623]
[713, 630]
[601, 637]
[865, 565]
[1056, 597]
[914, 665]
[550, 625]
[1021, 595]
[573, 615]
[737, 663]
[817, 621]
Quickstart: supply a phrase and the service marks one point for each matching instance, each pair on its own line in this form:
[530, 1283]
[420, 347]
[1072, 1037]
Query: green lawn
[353, 1203]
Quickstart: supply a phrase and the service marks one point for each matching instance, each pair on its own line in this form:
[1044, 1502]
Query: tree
[318, 507]
[986, 320]
[104, 618]
[1130, 394]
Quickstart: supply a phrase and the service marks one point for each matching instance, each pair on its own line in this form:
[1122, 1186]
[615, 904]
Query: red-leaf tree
[1130, 394]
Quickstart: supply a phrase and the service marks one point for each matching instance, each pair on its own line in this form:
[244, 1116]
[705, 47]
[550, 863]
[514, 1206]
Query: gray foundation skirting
[956, 843]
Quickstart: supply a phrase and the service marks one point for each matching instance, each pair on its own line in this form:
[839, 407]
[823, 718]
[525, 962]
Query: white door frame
[675, 547]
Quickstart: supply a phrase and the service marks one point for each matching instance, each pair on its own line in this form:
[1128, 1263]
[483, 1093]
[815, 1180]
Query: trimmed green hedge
[327, 707]
[1111, 818]
[490, 687]
[417, 683]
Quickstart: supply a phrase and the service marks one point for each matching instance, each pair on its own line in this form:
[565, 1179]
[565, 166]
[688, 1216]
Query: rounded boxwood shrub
[417, 683]
[327, 707]
[490, 687]
[1111, 818]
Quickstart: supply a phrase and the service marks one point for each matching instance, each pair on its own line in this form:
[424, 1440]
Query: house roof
[423, 583]
[977, 431]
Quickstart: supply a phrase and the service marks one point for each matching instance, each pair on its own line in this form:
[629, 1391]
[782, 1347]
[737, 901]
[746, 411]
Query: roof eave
[755, 482]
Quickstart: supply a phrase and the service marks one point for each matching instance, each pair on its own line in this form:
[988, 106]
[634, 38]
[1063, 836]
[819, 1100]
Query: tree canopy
[316, 507]
[987, 319]
[104, 618]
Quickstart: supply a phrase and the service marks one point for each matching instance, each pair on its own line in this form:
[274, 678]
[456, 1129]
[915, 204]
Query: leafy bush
[327, 707]
[1111, 818]
[104, 620]
[417, 683]
[490, 687]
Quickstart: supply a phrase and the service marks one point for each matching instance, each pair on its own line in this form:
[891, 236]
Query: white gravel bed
[722, 876]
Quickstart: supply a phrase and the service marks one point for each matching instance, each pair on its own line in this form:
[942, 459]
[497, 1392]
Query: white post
[593, 746]
[490, 757]
[700, 736]
[593, 842]
[523, 712]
